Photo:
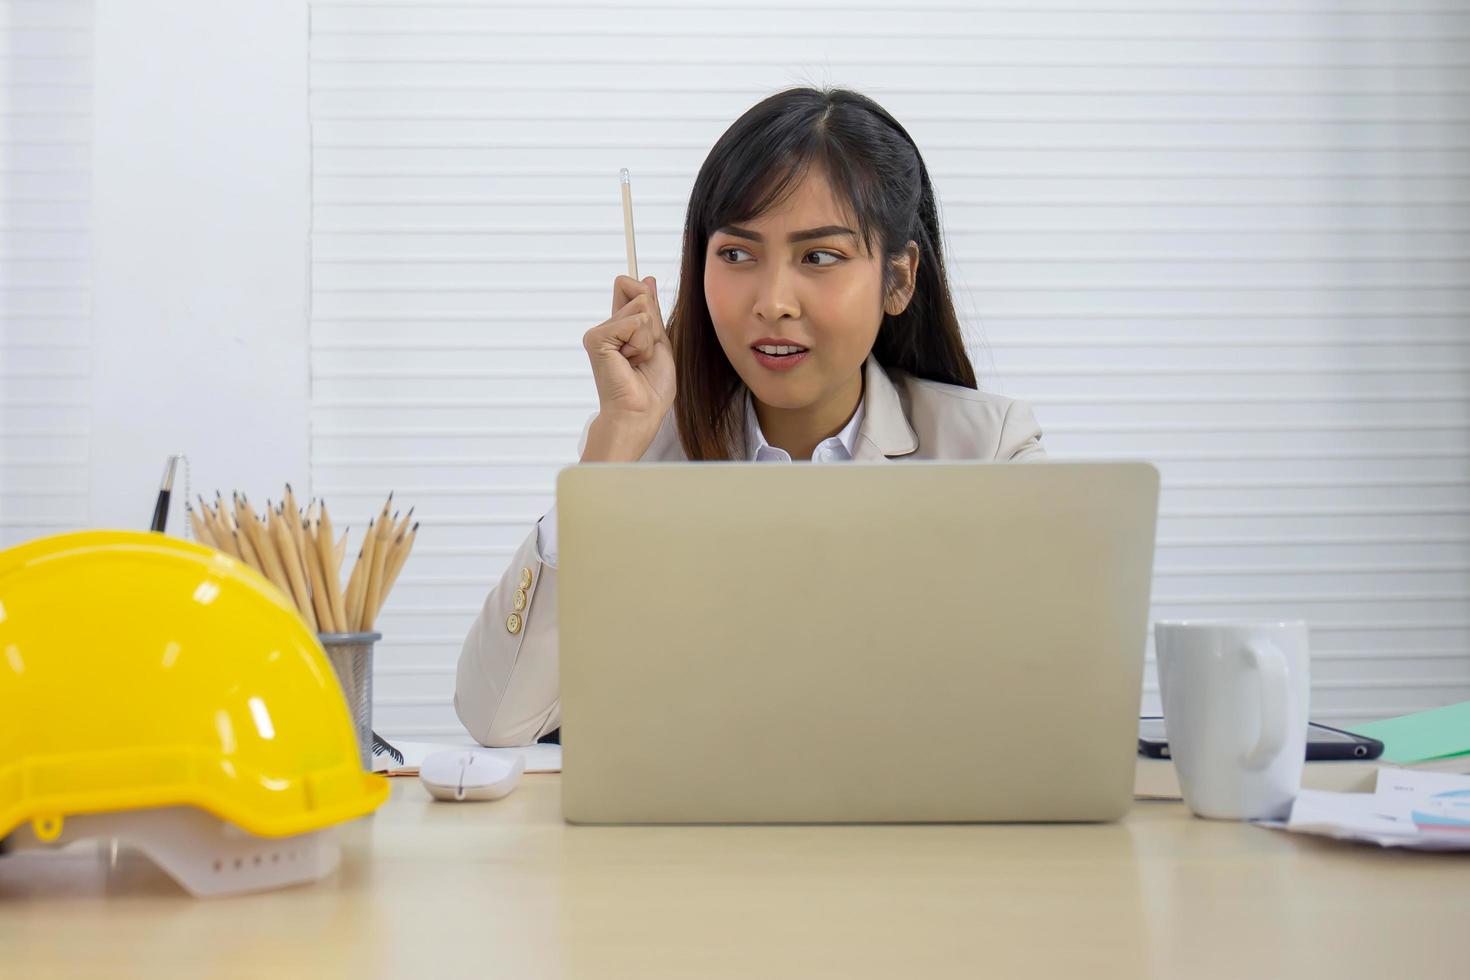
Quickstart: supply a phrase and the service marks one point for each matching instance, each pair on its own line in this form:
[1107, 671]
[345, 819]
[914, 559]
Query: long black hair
[877, 171]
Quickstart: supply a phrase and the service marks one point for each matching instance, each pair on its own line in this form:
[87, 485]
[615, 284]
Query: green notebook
[1435, 734]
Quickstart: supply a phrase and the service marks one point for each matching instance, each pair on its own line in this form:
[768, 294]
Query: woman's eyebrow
[796, 236]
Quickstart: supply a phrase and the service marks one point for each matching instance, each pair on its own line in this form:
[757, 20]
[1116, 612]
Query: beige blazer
[506, 687]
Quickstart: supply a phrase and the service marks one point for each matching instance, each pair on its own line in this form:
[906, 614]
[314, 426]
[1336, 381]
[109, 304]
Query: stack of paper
[1408, 808]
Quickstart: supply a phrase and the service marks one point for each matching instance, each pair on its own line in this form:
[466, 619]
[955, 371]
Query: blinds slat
[45, 130]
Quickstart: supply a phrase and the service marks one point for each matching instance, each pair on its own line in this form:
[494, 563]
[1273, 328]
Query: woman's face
[799, 277]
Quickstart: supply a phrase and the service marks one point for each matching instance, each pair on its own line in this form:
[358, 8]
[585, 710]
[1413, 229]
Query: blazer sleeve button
[525, 578]
[520, 600]
[513, 623]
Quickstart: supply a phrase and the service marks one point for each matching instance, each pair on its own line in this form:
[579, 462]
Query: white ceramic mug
[1235, 696]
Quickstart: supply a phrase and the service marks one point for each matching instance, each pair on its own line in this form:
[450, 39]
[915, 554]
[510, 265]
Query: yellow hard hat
[140, 672]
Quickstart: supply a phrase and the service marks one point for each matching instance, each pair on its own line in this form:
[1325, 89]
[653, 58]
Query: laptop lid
[928, 641]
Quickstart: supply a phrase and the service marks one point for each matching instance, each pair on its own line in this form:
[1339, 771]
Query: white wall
[155, 185]
[201, 181]
[45, 268]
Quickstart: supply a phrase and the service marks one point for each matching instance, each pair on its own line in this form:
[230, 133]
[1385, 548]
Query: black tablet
[1323, 742]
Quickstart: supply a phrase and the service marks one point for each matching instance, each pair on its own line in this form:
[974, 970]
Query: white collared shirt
[834, 449]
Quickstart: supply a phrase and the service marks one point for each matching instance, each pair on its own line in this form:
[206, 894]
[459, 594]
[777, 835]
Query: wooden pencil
[331, 576]
[201, 531]
[402, 557]
[289, 502]
[206, 512]
[265, 550]
[285, 542]
[372, 546]
[354, 590]
[293, 515]
[373, 580]
[375, 572]
[206, 515]
[357, 583]
[324, 524]
[319, 600]
[625, 181]
[228, 528]
[282, 544]
[224, 531]
[400, 536]
[247, 552]
[379, 592]
[396, 559]
[331, 568]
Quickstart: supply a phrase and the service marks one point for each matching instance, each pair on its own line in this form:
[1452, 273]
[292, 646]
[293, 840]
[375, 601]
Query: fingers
[631, 354]
[638, 323]
[625, 289]
[644, 300]
[639, 304]
[634, 334]
[646, 334]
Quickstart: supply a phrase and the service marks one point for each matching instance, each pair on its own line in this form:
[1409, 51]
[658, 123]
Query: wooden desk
[507, 890]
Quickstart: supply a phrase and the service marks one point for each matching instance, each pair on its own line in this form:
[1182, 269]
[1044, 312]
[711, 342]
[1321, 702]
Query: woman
[813, 322]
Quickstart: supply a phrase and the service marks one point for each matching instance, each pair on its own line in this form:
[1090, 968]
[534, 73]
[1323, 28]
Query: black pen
[160, 509]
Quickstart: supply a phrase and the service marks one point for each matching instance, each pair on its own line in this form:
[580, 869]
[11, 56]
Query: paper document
[539, 758]
[1423, 810]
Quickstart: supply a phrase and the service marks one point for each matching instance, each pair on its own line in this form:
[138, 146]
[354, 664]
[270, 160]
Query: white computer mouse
[464, 774]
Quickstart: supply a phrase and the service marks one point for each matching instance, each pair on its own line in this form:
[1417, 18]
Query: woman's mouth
[778, 355]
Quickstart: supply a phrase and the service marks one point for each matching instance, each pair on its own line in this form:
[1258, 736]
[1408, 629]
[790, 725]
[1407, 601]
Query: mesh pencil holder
[351, 655]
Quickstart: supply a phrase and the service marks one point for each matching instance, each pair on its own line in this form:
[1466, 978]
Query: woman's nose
[775, 299]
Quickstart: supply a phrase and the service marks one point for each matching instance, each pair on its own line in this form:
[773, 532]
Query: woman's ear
[905, 279]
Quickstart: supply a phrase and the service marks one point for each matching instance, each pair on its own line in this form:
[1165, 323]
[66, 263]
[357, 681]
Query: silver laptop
[866, 642]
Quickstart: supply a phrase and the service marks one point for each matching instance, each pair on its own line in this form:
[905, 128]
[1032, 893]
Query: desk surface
[506, 889]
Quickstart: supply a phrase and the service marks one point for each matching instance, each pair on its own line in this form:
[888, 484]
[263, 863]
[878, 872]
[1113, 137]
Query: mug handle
[1270, 666]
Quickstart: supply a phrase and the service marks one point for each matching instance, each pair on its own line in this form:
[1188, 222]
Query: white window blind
[1229, 238]
[45, 263]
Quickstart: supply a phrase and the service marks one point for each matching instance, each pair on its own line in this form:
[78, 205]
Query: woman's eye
[726, 254]
[831, 255]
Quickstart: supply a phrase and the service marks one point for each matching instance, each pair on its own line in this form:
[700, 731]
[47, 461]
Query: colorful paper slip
[1434, 734]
